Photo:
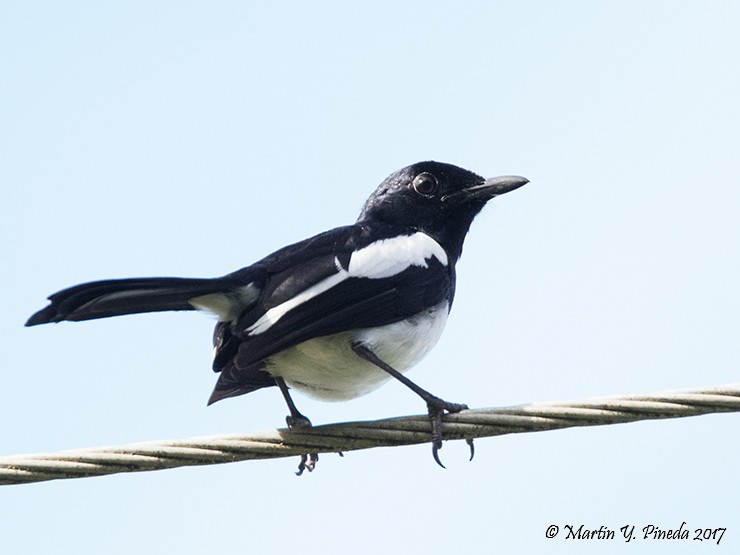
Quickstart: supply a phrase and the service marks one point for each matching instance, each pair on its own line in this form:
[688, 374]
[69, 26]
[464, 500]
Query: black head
[438, 199]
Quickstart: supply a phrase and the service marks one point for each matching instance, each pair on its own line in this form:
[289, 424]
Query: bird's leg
[308, 462]
[296, 420]
[436, 407]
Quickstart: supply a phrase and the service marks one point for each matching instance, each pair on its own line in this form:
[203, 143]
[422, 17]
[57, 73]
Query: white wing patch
[381, 259]
[389, 257]
[275, 313]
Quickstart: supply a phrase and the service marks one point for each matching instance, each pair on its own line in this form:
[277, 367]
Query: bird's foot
[297, 421]
[308, 462]
[436, 407]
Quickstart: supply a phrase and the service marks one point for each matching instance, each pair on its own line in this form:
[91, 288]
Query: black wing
[281, 275]
[311, 287]
[355, 303]
[344, 303]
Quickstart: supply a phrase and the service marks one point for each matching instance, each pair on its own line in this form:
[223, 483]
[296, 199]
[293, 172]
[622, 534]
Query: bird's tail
[116, 297]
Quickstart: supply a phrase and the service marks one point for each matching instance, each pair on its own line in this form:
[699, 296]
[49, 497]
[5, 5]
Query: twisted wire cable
[350, 436]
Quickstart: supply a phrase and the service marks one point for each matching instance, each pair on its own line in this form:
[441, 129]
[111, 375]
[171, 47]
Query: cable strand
[350, 436]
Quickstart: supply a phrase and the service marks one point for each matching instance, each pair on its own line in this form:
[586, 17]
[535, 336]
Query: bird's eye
[425, 184]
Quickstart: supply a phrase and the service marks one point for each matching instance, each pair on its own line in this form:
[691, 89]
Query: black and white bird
[333, 316]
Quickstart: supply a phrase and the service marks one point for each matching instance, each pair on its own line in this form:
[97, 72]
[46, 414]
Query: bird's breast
[328, 369]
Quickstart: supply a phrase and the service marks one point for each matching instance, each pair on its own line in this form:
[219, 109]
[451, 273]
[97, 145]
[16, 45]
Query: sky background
[191, 139]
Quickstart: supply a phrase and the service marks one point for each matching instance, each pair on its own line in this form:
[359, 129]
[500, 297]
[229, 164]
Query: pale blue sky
[194, 138]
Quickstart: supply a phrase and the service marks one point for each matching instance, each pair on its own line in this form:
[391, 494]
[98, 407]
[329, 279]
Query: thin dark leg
[436, 407]
[297, 421]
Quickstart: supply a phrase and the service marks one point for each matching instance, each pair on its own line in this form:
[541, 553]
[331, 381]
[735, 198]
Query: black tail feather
[235, 381]
[116, 297]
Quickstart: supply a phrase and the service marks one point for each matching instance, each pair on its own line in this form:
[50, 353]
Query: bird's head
[439, 199]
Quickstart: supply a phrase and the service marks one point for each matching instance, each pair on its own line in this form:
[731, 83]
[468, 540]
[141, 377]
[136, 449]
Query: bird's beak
[495, 186]
[491, 187]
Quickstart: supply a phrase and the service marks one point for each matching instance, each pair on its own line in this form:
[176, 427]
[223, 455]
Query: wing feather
[336, 281]
[352, 304]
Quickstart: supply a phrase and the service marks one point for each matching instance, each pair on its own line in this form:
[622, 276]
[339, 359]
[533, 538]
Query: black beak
[500, 185]
[491, 187]
[495, 186]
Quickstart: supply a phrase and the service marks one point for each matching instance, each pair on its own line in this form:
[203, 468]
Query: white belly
[328, 369]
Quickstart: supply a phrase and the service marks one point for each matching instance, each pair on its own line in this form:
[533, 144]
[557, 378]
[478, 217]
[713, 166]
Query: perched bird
[336, 315]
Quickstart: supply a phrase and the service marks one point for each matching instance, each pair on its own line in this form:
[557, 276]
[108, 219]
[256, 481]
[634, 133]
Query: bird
[334, 316]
